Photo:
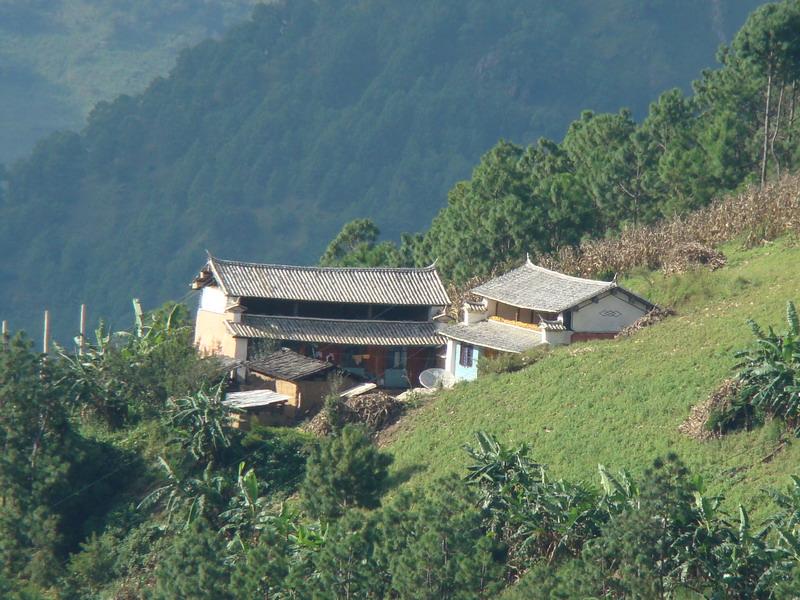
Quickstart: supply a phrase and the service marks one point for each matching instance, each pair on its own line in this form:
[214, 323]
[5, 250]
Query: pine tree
[193, 567]
[36, 439]
[436, 547]
[342, 472]
[347, 565]
[262, 572]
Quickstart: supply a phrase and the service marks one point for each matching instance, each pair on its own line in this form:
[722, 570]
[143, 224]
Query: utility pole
[82, 340]
[46, 337]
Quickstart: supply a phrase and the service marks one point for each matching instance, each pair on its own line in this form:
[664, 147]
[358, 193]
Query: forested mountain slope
[58, 58]
[261, 145]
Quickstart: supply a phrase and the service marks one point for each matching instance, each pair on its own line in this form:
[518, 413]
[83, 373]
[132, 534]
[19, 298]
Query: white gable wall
[213, 299]
[609, 314]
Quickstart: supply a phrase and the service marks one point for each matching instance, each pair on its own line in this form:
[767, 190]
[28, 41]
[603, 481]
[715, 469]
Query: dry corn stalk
[751, 217]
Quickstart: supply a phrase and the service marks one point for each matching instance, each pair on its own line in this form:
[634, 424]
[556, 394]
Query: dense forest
[610, 171]
[263, 144]
[58, 58]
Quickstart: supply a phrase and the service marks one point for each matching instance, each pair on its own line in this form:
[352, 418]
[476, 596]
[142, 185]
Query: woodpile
[656, 315]
[375, 411]
[695, 426]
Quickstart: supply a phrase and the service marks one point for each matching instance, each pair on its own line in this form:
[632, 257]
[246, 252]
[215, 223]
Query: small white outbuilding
[530, 306]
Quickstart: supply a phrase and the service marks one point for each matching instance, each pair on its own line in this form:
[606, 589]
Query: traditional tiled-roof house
[374, 322]
[530, 306]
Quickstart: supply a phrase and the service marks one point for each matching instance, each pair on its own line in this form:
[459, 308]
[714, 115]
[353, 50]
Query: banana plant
[202, 423]
[769, 377]
[186, 498]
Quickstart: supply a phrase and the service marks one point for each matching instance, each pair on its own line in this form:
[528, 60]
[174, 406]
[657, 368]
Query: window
[398, 358]
[465, 355]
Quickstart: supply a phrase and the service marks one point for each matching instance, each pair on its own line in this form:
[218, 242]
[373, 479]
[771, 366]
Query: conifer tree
[347, 565]
[435, 546]
[36, 439]
[342, 472]
[193, 567]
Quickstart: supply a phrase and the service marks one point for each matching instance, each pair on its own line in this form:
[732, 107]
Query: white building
[530, 306]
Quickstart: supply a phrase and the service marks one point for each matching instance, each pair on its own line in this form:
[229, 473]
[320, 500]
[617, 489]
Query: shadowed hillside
[58, 58]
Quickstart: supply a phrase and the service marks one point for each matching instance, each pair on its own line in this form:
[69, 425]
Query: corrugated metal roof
[289, 365]
[338, 331]
[395, 286]
[357, 390]
[491, 334]
[254, 399]
[537, 288]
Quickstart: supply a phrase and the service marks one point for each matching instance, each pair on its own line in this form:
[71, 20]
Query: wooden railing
[531, 326]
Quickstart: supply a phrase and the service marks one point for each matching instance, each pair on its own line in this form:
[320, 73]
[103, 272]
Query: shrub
[769, 380]
[344, 471]
[509, 363]
[193, 567]
[278, 455]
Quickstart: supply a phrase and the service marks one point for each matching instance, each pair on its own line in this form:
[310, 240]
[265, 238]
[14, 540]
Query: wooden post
[139, 314]
[46, 337]
[82, 340]
[5, 334]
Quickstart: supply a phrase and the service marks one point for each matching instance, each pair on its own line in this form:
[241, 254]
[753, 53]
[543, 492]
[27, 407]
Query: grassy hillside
[263, 143]
[619, 403]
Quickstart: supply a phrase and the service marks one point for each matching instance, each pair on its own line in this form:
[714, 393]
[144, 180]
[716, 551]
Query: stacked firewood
[374, 410]
[696, 425]
[654, 316]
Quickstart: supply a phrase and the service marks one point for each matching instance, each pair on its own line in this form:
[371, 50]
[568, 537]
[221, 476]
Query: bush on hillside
[509, 363]
[344, 471]
[768, 380]
[278, 454]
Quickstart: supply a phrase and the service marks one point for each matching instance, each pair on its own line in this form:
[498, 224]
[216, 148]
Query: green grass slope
[620, 402]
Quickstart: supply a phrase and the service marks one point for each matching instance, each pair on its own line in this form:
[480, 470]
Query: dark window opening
[334, 310]
[465, 355]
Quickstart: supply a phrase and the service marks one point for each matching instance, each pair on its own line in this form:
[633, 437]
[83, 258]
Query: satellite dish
[436, 378]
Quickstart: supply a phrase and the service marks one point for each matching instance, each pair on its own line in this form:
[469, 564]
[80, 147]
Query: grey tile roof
[537, 288]
[396, 286]
[338, 331]
[289, 365]
[491, 334]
